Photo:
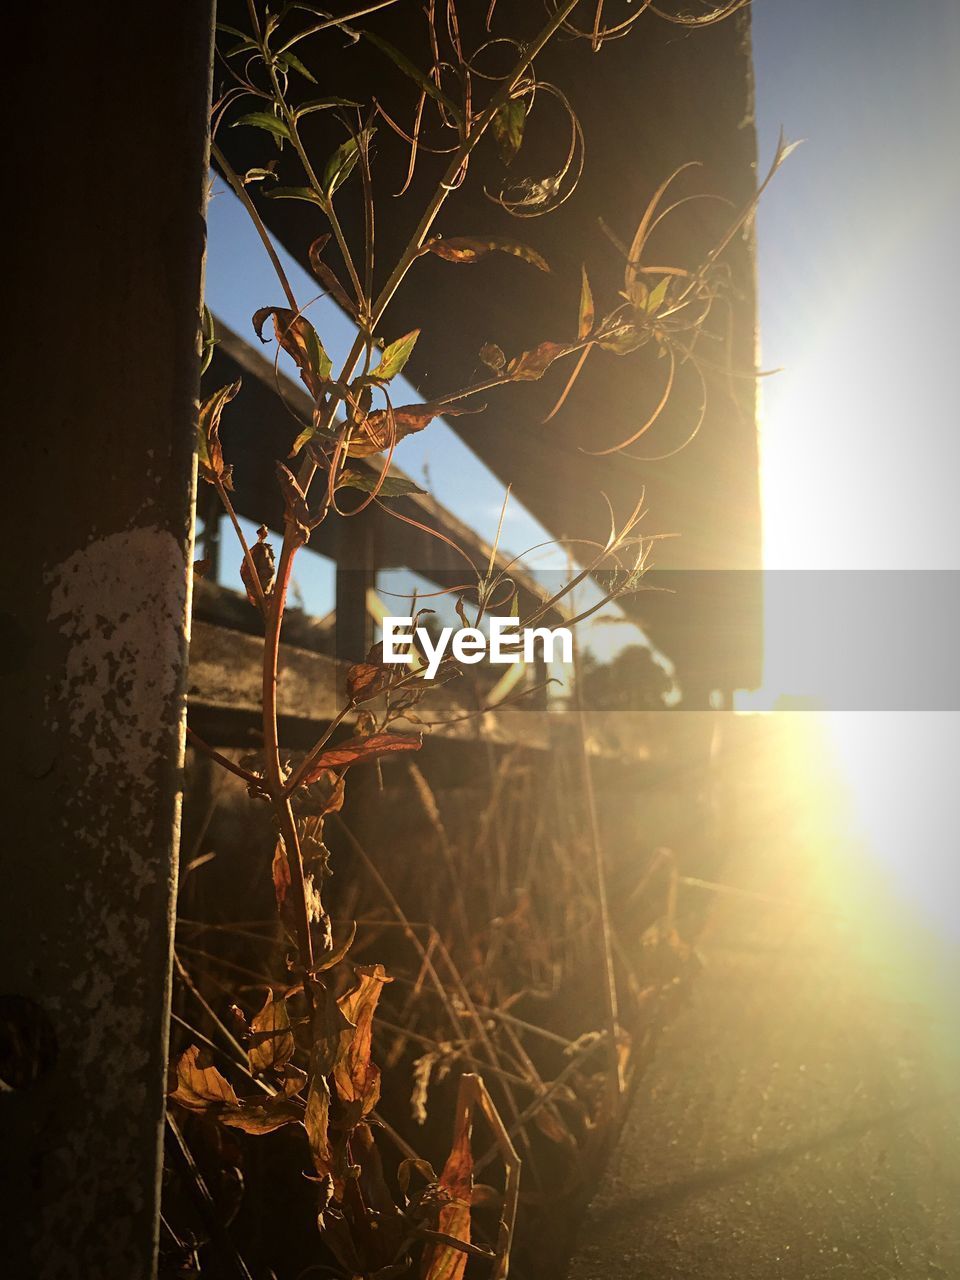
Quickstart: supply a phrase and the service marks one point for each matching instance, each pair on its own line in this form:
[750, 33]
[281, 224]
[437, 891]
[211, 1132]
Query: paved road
[801, 1120]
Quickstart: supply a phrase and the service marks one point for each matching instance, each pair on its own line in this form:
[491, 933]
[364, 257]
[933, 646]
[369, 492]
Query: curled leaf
[330, 1031]
[357, 1078]
[493, 357]
[272, 1038]
[294, 1080]
[413, 1164]
[209, 452]
[300, 340]
[375, 433]
[263, 1117]
[323, 795]
[333, 958]
[200, 1086]
[468, 249]
[328, 278]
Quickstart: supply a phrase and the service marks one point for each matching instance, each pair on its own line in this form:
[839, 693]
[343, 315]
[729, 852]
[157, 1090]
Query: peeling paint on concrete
[117, 704]
[121, 602]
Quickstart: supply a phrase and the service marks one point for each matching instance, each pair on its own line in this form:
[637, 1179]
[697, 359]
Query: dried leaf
[316, 1120]
[330, 1032]
[508, 128]
[328, 278]
[469, 249]
[300, 340]
[323, 795]
[548, 1121]
[263, 1117]
[442, 1261]
[413, 1164]
[264, 561]
[358, 750]
[407, 420]
[294, 1080]
[366, 679]
[357, 1078]
[395, 356]
[273, 1045]
[422, 1073]
[587, 313]
[209, 452]
[200, 1086]
[281, 874]
[338, 953]
[261, 174]
[531, 365]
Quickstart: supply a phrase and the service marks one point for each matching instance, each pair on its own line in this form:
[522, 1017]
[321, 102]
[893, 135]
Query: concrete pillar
[106, 149]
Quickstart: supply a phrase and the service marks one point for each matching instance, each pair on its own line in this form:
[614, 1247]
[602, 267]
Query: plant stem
[274, 774]
[195, 740]
[616, 1082]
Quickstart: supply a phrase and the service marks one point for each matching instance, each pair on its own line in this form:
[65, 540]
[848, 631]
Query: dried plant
[304, 1057]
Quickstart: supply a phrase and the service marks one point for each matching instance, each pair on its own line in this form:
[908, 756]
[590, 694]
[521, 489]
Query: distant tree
[631, 681]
